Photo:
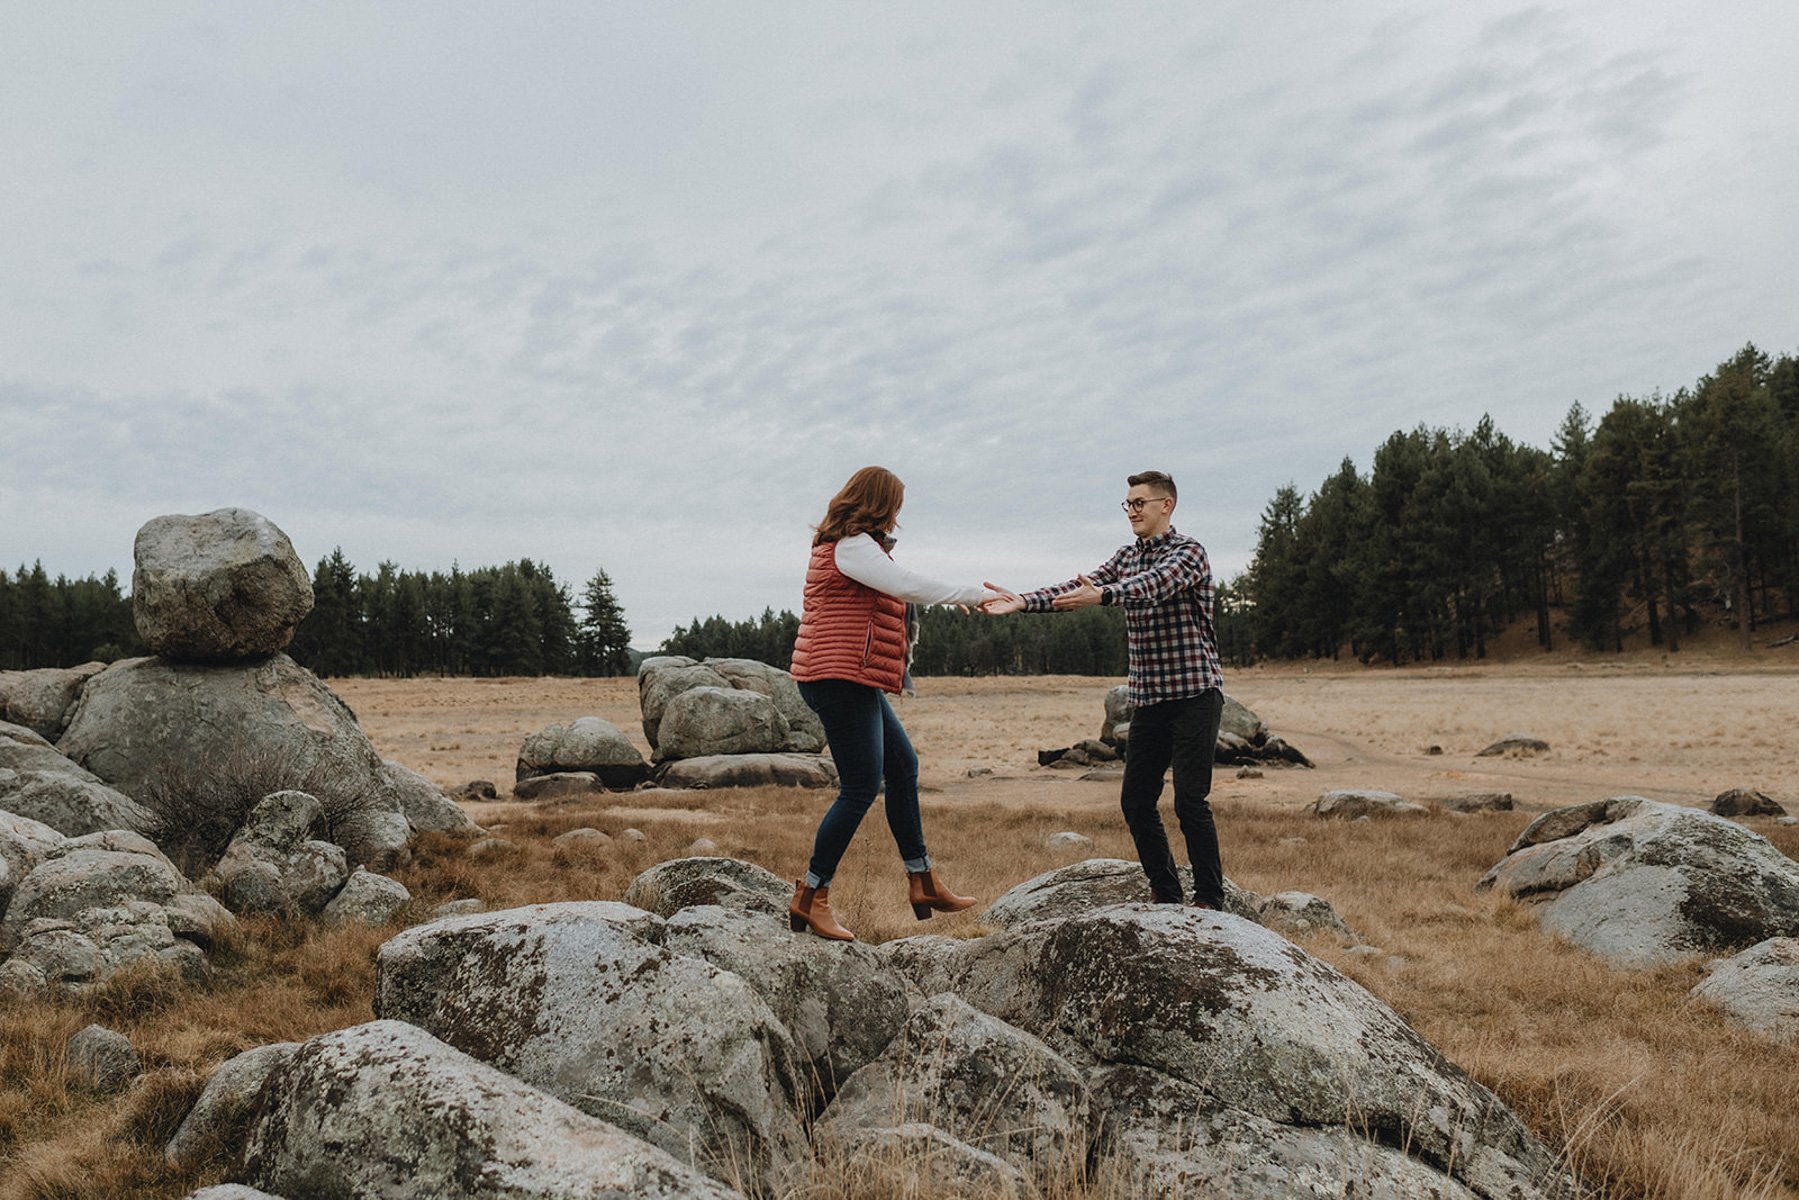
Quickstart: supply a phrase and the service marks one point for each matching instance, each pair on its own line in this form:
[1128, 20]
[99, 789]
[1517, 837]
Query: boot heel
[922, 911]
[796, 922]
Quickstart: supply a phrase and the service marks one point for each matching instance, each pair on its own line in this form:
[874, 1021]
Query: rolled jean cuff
[919, 865]
[813, 881]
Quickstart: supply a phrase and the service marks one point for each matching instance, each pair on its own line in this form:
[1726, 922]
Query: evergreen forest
[1662, 514]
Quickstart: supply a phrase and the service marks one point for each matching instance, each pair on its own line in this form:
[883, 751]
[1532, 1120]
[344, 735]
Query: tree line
[515, 619]
[1663, 510]
[60, 622]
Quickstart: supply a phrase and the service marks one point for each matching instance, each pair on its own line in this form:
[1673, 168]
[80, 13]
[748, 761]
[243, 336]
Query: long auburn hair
[868, 503]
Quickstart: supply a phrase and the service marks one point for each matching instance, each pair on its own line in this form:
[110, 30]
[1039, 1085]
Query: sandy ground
[1679, 731]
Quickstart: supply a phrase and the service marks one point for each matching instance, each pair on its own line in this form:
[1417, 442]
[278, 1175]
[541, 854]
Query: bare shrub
[197, 807]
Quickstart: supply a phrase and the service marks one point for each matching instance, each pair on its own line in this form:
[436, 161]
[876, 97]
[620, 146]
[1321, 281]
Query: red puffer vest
[847, 629]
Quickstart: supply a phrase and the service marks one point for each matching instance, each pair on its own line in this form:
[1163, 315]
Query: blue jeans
[870, 747]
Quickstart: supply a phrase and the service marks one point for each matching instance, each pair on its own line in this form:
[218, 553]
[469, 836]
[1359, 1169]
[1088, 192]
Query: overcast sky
[637, 286]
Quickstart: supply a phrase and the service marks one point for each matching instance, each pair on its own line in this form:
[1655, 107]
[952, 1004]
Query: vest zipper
[868, 647]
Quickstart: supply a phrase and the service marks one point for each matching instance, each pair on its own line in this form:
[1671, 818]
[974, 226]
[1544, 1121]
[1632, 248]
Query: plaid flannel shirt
[1164, 585]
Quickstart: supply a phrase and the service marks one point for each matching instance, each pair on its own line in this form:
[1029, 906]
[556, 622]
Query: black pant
[1183, 733]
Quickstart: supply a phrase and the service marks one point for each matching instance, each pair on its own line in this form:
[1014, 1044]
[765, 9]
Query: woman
[851, 652]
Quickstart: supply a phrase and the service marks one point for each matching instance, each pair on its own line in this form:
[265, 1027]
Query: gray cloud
[616, 283]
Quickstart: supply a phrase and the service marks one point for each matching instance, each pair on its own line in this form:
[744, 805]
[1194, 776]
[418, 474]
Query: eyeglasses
[1136, 504]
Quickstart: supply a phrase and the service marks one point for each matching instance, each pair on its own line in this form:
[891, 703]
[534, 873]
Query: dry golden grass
[1650, 1096]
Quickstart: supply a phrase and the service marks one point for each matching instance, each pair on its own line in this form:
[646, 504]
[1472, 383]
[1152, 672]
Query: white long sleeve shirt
[862, 559]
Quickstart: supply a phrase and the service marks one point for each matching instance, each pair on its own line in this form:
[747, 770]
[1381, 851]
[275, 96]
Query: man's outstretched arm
[1187, 568]
[1044, 599]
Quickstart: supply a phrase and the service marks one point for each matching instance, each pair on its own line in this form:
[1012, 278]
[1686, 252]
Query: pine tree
[604, 640]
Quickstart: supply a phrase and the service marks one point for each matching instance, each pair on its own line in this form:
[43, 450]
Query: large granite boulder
[578, 1000]
[41, 700]
[1758, 989]
[586, 744]
[710, 720]
[1115, 730]
[1091, 884]
[217, 1122]
[1160, 1136]
[1240, 1023]
[841, 1002]
[148, 726]
[38, 782]
[978, 1079]
[221, 586]
[424, 804]
[786, 725]
[679, 883]
[97, 904]
[748, 770]
[806, 735]
[663, 677]
[23, 844]
[1639, 882]
[385, 1111]
[275, 864]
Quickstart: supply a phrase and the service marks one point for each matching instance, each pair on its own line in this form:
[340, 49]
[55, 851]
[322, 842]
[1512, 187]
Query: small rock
[1433, 749]
[1248, 773]
[103, 1059]
[632, 835]
[1103, 775]
[1787, 821]
[1070, 842]
[1517, 745]
[559, 785]
[1469, 802]
[490, 847]
[583, 839]
[978, 772]
[1301, 913]
[1292, 841]
[478, 789]
[702, 847]
[1746, 802]
[1356, 803]
[368, 898]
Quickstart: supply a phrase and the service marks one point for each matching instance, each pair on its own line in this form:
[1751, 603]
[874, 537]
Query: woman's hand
[1002, 601]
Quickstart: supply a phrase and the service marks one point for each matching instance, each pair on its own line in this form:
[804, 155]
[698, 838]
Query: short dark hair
[1161, 481]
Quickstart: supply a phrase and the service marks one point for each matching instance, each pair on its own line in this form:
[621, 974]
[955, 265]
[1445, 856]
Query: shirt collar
[1161, 539]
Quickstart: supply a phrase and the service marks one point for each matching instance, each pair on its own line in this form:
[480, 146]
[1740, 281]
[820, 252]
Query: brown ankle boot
[811, 909]
[927, 895]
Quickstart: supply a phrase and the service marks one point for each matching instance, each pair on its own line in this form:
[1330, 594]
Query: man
[1163, 581]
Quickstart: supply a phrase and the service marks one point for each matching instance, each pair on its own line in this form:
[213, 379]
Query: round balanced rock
[222, 586]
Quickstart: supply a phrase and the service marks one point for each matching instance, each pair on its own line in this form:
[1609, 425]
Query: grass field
[1647, 1093]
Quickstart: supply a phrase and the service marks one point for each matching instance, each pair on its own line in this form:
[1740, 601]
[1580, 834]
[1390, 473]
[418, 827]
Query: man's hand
[1085, 596]
[1002, 601]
